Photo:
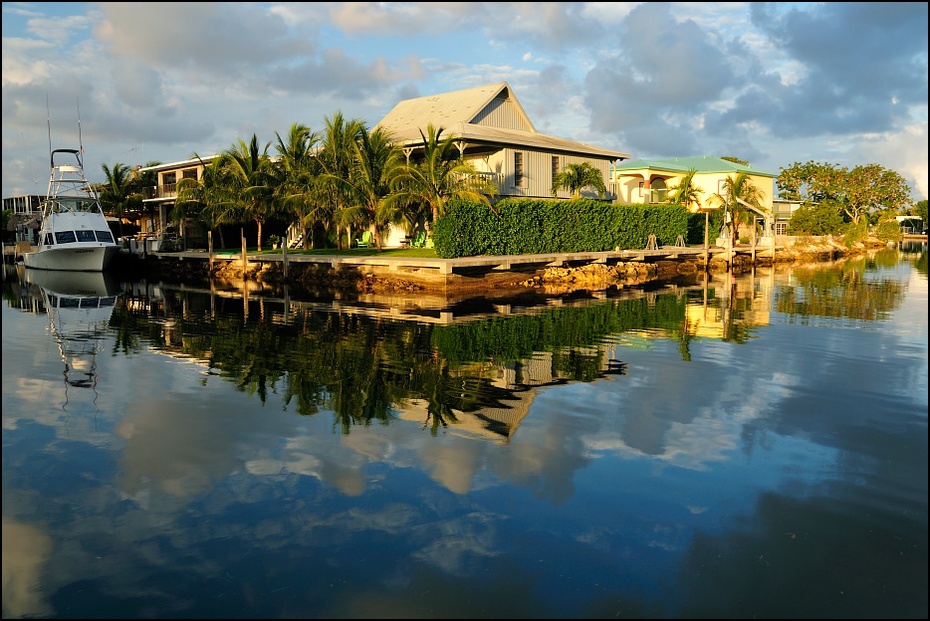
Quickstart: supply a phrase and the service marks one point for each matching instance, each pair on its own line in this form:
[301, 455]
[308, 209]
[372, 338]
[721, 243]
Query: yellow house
[649, 181]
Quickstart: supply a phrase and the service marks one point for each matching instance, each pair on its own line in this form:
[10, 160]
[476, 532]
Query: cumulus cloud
[762, 81]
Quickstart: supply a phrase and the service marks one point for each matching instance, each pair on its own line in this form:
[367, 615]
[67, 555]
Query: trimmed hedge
[533, 226]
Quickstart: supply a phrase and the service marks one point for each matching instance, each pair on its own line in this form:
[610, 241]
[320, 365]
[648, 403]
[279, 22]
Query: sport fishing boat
[73, 233]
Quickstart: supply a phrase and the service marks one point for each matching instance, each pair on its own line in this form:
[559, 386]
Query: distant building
[25, 219]
[24, 205]
[649, 181]
[160, 199]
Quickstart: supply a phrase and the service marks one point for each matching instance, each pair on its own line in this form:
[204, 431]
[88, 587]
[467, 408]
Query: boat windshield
[74, 205]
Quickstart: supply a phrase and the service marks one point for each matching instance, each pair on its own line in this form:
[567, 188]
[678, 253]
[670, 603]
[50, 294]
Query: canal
[726, 446]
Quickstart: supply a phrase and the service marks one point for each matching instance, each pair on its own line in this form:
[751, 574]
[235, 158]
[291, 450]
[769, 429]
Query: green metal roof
[702, 164]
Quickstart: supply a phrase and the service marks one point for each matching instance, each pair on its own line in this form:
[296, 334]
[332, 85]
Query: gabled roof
[447, 110]
[705, 164]
[458, 113]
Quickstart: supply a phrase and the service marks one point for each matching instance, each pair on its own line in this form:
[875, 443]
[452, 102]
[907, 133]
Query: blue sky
[770, 83]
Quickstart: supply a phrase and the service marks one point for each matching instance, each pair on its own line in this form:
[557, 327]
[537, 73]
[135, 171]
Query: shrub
[819, 219]
[533, 226]
[889, 231]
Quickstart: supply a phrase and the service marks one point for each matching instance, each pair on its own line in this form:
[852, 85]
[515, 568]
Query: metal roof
[702, 164]
[456, 111]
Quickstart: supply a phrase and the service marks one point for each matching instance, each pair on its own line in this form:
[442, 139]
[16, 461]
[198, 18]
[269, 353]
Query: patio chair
[364, 240]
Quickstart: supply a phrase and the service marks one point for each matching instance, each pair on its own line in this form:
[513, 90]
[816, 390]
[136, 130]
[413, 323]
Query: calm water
[750, 446]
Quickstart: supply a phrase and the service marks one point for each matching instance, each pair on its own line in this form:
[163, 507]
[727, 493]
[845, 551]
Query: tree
[873, 187]
[439, 176]
[735, 160]
[815, 219]
[145, 184]
[811, 182]
[296, 178]
[854, 192]
[207, 199]
[739, 193]
[119, 195]
[686, 193]
[5, 227]
[377, 162]
[336, 161]
[576, 177]
[246, 180]
[920, 209]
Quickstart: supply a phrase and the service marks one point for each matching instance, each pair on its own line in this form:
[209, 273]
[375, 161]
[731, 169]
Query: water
[749, 446]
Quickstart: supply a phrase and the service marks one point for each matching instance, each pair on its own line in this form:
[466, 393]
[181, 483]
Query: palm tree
[576, 177]
[144, 182]
[207, 199]
[739, 192]
[336, 162]
[438, 177]
[119, 195]
[297, 172]
[686, 192]
[247, 175]
[377, 162]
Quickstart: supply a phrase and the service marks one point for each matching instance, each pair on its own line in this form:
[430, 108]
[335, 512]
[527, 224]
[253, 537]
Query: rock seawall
[319, 278]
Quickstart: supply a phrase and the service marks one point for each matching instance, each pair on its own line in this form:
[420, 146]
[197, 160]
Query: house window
[781, 228]
[722, 187]
[518, 170]
[641, 185]
[555, 167]
[189, 173]
[168, 184]
[658, 191]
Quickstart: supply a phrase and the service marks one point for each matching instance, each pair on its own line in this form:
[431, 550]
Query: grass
[424, 253]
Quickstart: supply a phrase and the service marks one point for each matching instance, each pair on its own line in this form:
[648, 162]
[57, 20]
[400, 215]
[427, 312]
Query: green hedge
[532, 226]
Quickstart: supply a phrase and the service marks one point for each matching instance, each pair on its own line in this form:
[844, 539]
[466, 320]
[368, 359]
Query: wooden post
[245, 260]
[772, 230]
[706, 235]
[285, 261]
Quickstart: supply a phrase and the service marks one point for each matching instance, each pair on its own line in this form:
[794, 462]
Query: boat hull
[71, 259]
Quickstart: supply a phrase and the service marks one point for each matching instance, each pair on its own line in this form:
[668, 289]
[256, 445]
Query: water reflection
[707, 449]
[79, 306]
[472, 367]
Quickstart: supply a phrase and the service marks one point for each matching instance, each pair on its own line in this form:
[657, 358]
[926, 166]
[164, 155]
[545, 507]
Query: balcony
[160, 192]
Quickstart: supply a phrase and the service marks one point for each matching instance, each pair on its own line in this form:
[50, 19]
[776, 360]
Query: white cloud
[159, 82]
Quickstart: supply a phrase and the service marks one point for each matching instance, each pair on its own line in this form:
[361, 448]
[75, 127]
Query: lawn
[425, 253]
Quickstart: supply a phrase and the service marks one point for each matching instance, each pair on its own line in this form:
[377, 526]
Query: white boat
[79, 307]
[74, 234]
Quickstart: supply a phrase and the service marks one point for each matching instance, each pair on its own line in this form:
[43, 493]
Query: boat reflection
[79, 307]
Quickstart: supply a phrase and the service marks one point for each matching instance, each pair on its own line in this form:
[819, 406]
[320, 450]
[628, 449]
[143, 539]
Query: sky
[770, 83]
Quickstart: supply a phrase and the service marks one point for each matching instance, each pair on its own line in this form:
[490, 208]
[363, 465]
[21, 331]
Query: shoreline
[367, 273]
[384, 279]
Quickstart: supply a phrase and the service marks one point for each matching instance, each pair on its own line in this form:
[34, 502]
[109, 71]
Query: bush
[820, 219]
[855, 234]
[533, 226]
[889, 231]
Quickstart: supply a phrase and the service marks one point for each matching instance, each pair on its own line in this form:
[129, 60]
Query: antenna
[80, 140]
[48, 116]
